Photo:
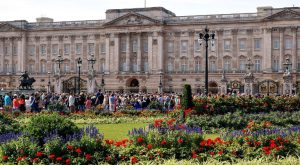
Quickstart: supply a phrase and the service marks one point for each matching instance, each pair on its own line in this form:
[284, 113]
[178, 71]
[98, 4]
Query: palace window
[55, 49]
[170, 65]
[91, 49]
[78, 48]
[102, 48]
[243, 44]
[227, 45]
[123, 45]
[146, 66]
[257, 65]
[170, 47]
[257, 44]
[242, 64]
[275, 65]
[184, 46]
[43, 50]
[122, 65]
[134, 46]
[184, 65]
[31, 50]
[212, 66]
[197, 65]
[276, 43]
[288, 43]
[43, 67]
[66, 49]
[227, 64]
[145, 46]
[15, 50]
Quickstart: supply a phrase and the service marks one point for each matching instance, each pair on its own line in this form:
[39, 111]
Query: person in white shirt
[71, 103]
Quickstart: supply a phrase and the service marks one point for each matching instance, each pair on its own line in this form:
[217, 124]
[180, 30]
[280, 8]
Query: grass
[117, 131]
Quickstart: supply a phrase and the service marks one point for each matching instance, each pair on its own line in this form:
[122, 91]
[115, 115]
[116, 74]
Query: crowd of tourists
[105, 102]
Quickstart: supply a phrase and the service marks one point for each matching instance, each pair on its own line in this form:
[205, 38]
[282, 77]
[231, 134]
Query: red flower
[88, 156]
[163, 142]
[187, 111]
[4, 158]
[35, 159]
[108, 158]
[273, 145]
[244, 131]
[70, 147]
[39, 154]
[68, 161]
[180, 140]
[158, 122]
[59, 158]
[140, 139]
[78, 150]
[149, 146]
[134, 160]
[194, 156]
[220, 152]
[19, 159]
[203, 143]
[109, 142]
[21, 151]
[211, 152]
[52, 156]
[181, 126]
[170, 122]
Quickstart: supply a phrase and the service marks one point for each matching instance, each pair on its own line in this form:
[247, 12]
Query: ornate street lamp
[59, 60]
[92, 61]
[249, 78]
[79, 63]
[287, 65]
[249, 65]
[160, 86]
[206, 36]
[49, 83]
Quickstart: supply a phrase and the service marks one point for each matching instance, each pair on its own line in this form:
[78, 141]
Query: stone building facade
[142, 49]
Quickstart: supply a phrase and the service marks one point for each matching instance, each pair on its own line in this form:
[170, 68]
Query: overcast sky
[70, 10]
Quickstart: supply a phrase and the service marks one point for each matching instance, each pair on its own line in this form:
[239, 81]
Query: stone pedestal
[223, 86]
[58, 84]
[249, 79]
[91, 82]
[287, 83]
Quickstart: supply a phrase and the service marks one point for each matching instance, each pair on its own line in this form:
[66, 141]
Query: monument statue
[26, 81]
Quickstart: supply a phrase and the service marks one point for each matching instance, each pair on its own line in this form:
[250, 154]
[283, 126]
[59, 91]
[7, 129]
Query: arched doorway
[133, 85]
[213, 87]
[72, 85]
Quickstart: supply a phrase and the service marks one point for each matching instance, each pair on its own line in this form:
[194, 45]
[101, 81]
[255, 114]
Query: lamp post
[206, 36]
[59, 60]
[92, 61]
[287, 64]
[102, 82]
[79, 63]
[249, 78]
[49, 83]
[160, 82]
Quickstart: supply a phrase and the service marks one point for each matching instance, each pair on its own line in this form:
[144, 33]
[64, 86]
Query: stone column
[160, 53]
[21, 54]
[139, 53]
[150, 56]
[116, 58]
[281, 49]
[91, 82]
[287, 84]
[107, 46]
[294, 50]
[267, 48]
[127, 52]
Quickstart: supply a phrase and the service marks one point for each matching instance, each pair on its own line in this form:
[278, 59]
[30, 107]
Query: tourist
[22, 106]
[71, 103]
[111, 102]
[88, 103]
[15, 102]
[7, 102]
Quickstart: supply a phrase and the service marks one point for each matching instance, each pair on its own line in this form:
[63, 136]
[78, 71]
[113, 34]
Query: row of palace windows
[257, 45]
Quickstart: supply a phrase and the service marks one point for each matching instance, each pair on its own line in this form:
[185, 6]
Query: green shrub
[187, 99]
[44, 124]
[7, 124]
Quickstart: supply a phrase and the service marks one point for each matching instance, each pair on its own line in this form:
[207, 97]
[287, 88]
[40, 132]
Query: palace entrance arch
[133, 85]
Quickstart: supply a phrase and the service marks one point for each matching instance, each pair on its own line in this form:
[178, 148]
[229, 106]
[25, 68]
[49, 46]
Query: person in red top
[88, 103]
[22, 106]
[15, 102]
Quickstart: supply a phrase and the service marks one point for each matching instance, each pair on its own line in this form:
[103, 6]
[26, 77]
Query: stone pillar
[294, 50]
[150, 55]
[160, 49]
[127, 52]
[58, 83]
[139, 54]
[21, 55]
[249, 80]
[116, 59]
[107, 47]
[91, 82]
[267, 48]
[281, 49]
[287, 83]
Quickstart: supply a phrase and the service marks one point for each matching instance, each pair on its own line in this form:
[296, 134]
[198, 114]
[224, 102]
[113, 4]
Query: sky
[71, 10]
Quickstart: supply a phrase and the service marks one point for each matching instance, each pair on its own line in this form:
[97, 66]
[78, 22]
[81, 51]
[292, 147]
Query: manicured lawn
[117, 131]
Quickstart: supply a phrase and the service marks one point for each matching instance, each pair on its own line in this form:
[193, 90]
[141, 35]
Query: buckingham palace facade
[151, 49]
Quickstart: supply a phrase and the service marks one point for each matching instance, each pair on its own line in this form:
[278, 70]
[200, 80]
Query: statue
[26, 82]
